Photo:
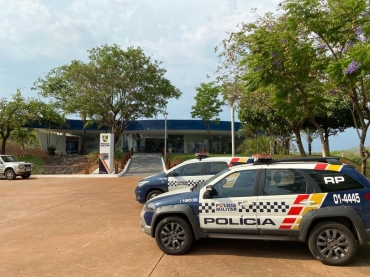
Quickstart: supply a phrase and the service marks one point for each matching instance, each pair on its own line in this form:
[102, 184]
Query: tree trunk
[83, 146]
[299, 141]
[363, 152]
[3, 143]
[4, 138]
[326, 141]
[322, 138]
[286, 146]
[363, 166]
[275, 151]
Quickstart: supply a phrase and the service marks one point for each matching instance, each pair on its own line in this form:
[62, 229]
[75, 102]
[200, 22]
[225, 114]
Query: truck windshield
[8, 159]
[208, 181]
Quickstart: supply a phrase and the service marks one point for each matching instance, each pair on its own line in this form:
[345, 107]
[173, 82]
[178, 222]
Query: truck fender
[331, 213]
[183, 210]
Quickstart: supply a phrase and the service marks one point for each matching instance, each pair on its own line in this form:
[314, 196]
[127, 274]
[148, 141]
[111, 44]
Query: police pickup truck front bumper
[146, 228]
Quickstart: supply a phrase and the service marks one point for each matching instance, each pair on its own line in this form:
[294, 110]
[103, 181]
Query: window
[9, 159]
[213, 168]
[189, 170]
[285, 181]
[237, 184]
[331, 181]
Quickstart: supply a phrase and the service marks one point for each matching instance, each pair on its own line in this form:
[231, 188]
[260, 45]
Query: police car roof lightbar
[201, 155]
[262, 158]
[329, 160]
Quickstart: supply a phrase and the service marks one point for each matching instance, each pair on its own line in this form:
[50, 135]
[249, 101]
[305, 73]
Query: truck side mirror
[209, 192]
[172, 174]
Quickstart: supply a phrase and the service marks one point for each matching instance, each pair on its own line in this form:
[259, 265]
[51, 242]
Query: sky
[39, 35]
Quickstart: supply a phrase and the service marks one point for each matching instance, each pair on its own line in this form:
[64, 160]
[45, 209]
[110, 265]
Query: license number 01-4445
[346, 198]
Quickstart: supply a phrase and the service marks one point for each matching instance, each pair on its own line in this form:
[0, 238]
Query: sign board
[106, 153]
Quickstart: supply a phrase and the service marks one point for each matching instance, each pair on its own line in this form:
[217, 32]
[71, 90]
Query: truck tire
[26, 176]
[9, 174]
[332, 243]
[152, 194]
[173, 235]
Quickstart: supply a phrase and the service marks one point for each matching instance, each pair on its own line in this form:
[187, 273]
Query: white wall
[59, 141]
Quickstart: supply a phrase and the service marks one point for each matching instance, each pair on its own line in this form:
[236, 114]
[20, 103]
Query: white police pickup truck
[10, 167]
[319, 201]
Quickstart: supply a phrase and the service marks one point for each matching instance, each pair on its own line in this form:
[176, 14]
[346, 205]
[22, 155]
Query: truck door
[232, 206]
[187, 175]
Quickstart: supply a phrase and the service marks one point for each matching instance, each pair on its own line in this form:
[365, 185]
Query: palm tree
[309, 134]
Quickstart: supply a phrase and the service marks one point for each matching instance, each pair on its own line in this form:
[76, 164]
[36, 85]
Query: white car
[10, 167]
[185, 175]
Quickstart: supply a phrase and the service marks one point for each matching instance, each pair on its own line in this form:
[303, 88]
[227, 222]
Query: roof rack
[329, 160]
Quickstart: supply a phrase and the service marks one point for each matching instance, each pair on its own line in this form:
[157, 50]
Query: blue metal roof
[179, 124]
[153, 124]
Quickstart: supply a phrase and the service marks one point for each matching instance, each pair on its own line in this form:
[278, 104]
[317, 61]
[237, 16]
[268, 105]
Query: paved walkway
[145, 164]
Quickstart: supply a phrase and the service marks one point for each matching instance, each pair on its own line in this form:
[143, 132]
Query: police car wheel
[332, 243]
[173, 236]
[152, 194]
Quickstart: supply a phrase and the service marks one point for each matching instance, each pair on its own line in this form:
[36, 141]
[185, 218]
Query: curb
[124, 171]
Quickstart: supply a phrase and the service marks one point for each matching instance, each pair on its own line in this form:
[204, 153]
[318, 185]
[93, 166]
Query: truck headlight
[142, 183]
[21, 166]
[149, 207]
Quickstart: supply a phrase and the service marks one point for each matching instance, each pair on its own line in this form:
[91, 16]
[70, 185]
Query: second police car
[319, 201]
[185, 175]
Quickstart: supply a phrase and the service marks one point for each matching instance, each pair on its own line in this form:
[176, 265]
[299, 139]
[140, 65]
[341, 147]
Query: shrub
[51, 150]
[118, 154]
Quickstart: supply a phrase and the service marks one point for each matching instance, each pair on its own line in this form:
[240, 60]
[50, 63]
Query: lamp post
[165, 135]
[232, 99]
[232, 132]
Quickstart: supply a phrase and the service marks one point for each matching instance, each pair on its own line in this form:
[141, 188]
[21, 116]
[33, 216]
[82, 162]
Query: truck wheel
[26, 176]
[332, 243]
[9, 174]
[152, 194]
[173, 235]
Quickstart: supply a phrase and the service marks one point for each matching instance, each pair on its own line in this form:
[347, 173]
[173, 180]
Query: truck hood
[180, 196]
[159, 176]
[24, 163]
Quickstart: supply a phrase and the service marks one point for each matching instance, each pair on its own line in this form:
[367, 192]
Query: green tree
[277, 53]
[309, 134]
[114, 88]
[263, 116]
[24, 136]
[48, 116]
[13, 114]
[207, 106]
[339, 31]
[63, 84]
[257, 145]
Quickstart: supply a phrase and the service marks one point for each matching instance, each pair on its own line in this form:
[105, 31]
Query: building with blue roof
[183, 136]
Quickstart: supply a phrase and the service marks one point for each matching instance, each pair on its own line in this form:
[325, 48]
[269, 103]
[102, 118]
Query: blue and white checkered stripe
[262, 207]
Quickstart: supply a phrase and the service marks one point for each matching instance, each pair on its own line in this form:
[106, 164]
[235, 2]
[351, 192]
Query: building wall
[59, 141]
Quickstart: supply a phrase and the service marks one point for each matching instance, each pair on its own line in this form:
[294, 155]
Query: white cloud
[38, 35]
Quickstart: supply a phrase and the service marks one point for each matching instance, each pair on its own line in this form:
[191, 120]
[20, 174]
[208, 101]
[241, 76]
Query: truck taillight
[367, 196]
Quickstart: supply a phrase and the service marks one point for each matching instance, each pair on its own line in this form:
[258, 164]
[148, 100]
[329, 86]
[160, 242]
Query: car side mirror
[172, 174]
[209, 192]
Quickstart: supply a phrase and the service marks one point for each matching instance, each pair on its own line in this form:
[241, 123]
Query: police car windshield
[205, 183]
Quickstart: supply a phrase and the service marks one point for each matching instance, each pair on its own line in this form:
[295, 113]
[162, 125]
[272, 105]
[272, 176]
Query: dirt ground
[90, 227]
